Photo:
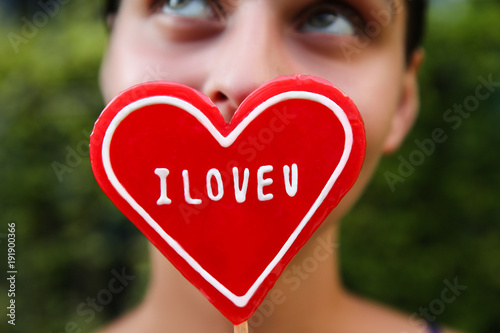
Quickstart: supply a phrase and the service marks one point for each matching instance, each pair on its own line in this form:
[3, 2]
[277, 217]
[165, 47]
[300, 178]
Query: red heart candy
[229, 204]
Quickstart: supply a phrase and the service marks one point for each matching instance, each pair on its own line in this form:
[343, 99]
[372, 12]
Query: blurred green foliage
[401, 241]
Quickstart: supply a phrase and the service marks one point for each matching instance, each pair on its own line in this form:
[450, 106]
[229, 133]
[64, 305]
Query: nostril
[226, 106]
[219, 97]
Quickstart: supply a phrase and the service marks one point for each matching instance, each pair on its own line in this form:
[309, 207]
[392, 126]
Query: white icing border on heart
[239, 301]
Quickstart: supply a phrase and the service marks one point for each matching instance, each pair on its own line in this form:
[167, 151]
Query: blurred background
[430, 217]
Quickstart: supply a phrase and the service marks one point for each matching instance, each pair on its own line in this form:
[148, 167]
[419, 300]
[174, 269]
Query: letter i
[163, 173]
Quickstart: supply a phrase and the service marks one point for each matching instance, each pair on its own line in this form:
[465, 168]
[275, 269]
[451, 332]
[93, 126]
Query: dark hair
[415, 27]
[111, 7]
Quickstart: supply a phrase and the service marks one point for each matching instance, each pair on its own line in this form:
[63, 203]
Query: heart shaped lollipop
[229, 204]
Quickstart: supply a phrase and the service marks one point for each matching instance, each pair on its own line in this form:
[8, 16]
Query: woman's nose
[249, 53]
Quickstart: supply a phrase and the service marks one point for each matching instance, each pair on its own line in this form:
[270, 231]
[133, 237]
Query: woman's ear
[409, 104]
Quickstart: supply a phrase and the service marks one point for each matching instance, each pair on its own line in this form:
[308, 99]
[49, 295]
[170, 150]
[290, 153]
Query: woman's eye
[328, 22]
[201, 9]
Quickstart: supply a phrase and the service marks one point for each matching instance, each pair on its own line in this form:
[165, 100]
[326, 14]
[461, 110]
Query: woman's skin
[226, 49]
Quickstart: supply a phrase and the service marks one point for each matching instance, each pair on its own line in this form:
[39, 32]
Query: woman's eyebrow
[392, 8]
[395, 6]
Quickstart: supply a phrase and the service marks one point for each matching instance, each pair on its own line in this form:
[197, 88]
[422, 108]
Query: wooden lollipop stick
[241, 328]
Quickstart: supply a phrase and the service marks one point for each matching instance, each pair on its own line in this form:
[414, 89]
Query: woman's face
[228, 48]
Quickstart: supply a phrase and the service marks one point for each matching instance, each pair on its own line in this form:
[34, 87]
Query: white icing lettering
[291, 184]
[215, 184]
[220, 189]
[240, 194]
[261, 182]
[187, 194]
[163, 173]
